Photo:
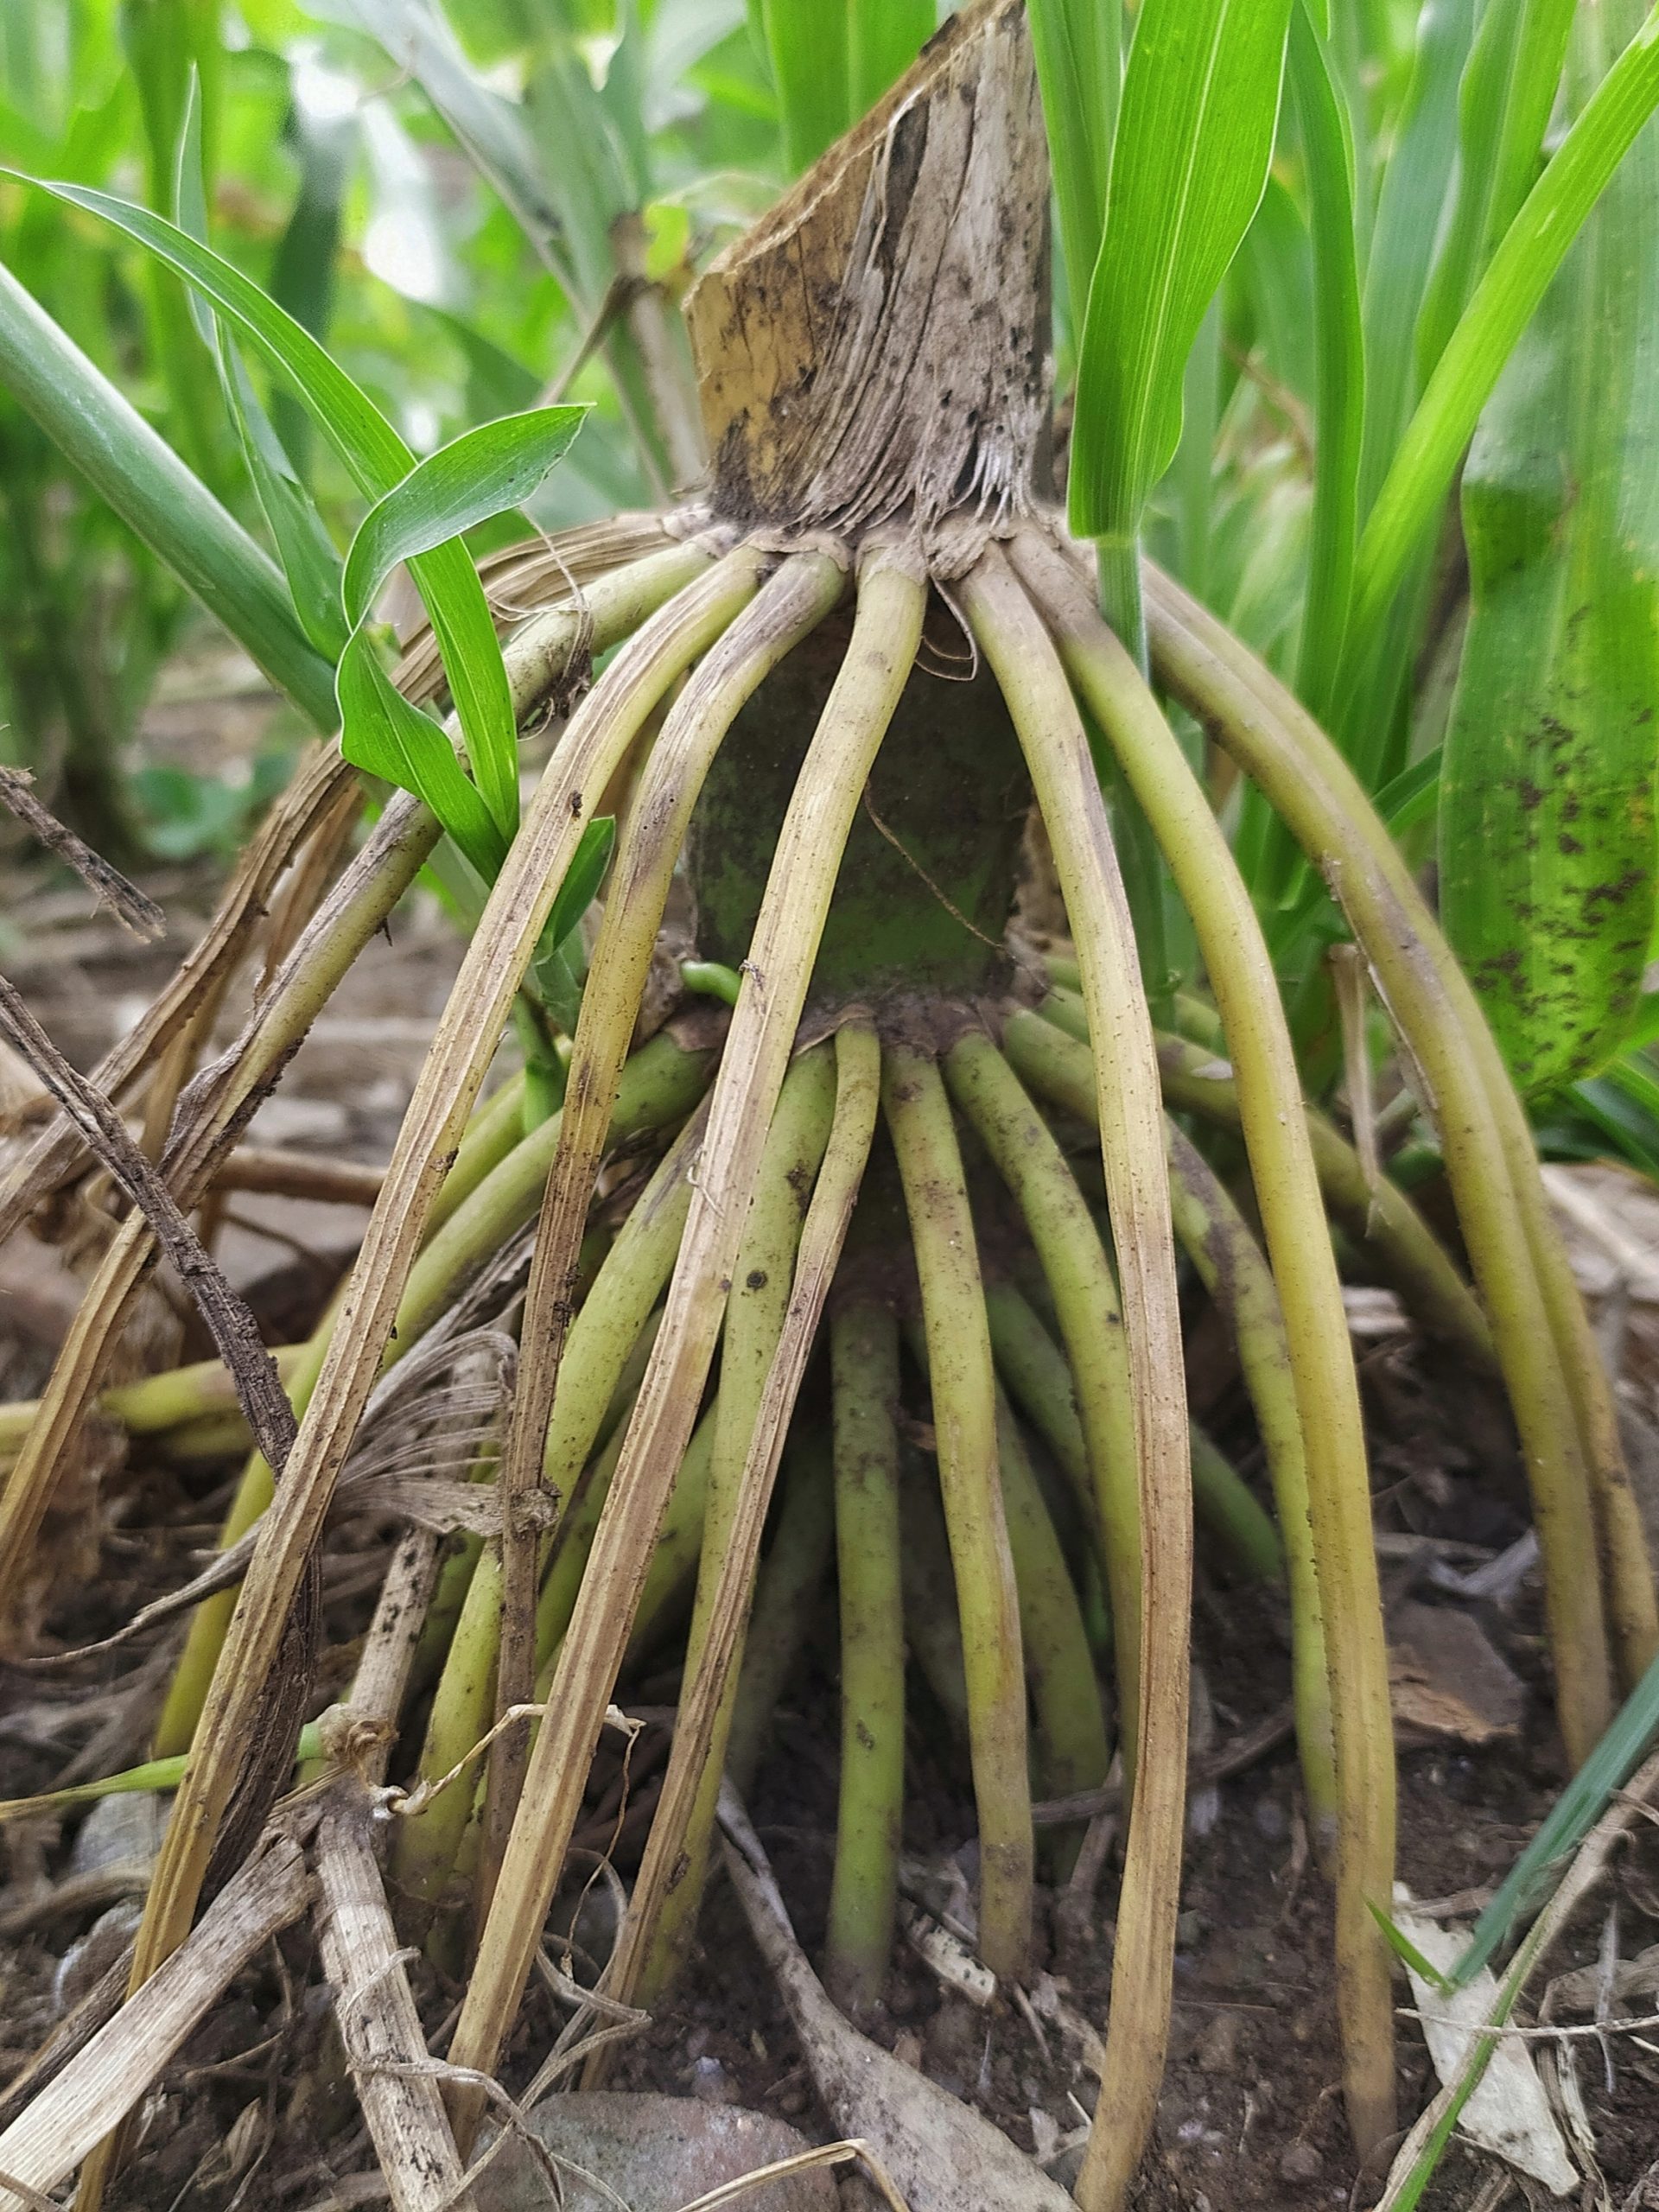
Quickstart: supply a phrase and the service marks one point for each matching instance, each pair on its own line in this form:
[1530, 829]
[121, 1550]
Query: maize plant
[868, 1126]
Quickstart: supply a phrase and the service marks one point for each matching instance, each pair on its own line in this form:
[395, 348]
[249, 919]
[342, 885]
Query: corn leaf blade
[379, 460]
[1503, 301]
[1078, 49]
[807, 45]
[479, 475]
[1195, 134]
[1339, 351]
[1548, 876]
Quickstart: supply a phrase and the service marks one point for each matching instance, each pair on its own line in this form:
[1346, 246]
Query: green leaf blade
[1547, 847]
[1520, 272]
[481, 474]
[1195, 135]
[1077, 45]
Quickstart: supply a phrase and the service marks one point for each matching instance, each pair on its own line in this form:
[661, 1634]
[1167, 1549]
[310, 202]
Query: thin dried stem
[130, 906]
[861, 704]
[58, 1152]
[374, 2006]
[1014, 642]
[964, 1424]
[468, 1034]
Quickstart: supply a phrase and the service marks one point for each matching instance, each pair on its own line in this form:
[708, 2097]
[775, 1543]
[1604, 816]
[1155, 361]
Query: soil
[255, 2113]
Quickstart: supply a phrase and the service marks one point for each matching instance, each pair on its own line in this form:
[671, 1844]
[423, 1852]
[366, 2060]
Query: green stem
[1046, 720]
[792, 1575]
[1379, 1218]
[762, 1284]
[1072, 1751]
[864, 1892]
[1557, 1386]
[1081, 1282]
[787, 607]
[1036, 1372]
[964, 1419]
[1231, 1263]
[932, 1628]
[788, 932]
[1304, 1268]
[663, 1083]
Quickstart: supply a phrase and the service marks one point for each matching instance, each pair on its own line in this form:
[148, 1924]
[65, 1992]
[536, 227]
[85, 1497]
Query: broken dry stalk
[108, 2077]
[500, 951]
[396, 2082]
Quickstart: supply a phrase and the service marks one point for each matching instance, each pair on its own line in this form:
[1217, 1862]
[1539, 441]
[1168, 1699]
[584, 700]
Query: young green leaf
[558, 976]
[1404, 1949]
[1546, 834]
[1195, 134]
[1077, 45]
[1339, 343]
[379, 460]
[1409, 200]
[149, 487]
[1571, 1818]
[480, 474]
[1508, 89]
[1532, 251]
[303, 546]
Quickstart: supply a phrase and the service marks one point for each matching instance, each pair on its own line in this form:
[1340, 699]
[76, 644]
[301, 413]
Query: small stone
[655, 2153]
[1188, 1928]
[1301, 2161]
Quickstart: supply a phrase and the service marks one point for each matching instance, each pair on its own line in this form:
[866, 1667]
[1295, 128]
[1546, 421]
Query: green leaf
[1574, 1812]
[1409, 204]
[1532, 251]
[1509, 88]
[1404, 1949]
[1078, 49]
[883, 38]
[149, 487]
[806, 43]
[303, 546]
[478, 475]
[1195, 135]
[383, 733]
[558, 977]
[378, 458]
[1327, 149]
[1547, 835]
